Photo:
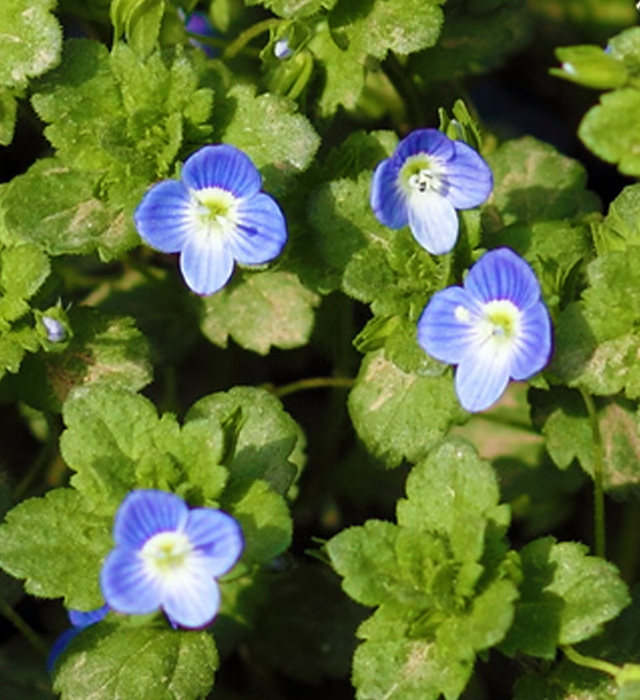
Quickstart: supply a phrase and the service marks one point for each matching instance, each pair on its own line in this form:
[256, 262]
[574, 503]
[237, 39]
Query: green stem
[314, 383]
[25, 630]
[598, 474]
[589, 662]
[248, 35]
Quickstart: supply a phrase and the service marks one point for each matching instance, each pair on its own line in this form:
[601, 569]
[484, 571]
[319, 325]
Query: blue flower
[169, 557]
[427, 178]
[79, 621]
[495, 328]
[214, 216]
[198, 23]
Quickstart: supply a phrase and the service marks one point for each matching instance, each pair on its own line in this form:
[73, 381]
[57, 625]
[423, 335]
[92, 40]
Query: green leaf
[104, 350]
[266, 442]
[342, 71]
[264, 516]
[150, 662]
[621, 226]
[30, 42]
[398, 415]
[283, 145]
[57, 544]
[388, 26]
[566, 597]
[590, 66]
[611, 131]
[23, 271]
[454, 492]
[533, 182]
[259, 311]
[294, 8]
[8, 112]
[568, 435]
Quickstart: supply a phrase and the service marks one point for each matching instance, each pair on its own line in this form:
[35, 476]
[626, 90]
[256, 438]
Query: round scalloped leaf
[30, 40]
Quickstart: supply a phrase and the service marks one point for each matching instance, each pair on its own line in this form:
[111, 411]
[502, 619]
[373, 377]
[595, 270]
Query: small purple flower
[79, 621]
[214, 216]
[422, 184]
[282, 50]
[495, 328]
[198, 23]
[168, 556]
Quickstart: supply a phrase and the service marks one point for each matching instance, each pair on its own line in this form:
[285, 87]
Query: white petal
[433, 222]
[206, 262]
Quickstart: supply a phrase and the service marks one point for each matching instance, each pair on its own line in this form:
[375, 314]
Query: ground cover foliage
[395, 545]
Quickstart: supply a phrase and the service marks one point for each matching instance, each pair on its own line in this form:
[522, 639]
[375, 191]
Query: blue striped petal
[534, 343]
[191, 598]
[206, 262]
[261, 231]
[429, 141]
[217, 537]
[433, 222]
[222, 166]
[502, 274]
[127, 584]
[163, 217]
[387, 199]
[146, 512]
[481, 378]
[469, 178]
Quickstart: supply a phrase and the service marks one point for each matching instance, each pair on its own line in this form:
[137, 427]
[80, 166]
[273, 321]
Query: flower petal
[84, 619]
[433, 222]
[447, 327]
[59, 646]
[222, 166]
[163, 217]
[217, 537]
[387, 199]
[191, 599]
[468, 176]
[127, 585]
[481, 378]
[261, 231]
[502, 274]
[533, 345]
[206, 263]
[146, 512]
[429, 141]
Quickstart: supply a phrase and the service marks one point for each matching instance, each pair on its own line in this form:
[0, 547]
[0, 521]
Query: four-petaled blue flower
[79, 621]
[495, 328]
[168, 556]
[213, 216]
[422, 184]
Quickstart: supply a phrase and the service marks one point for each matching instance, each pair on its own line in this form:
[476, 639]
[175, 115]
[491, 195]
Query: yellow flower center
[166, 552]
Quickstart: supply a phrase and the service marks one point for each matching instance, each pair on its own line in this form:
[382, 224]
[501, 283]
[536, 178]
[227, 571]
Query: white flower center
[214, 211]
[166, 553]
[423, 173]
[500, 322]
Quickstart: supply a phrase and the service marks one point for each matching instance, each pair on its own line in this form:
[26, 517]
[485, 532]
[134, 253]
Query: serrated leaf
[568, 436]
[104, 350]
[260, 311]
[150, 662]
[533, 182]
[8, 112]
[57, 544]
[401, 416]
[30, 42]
[566, 597]
[268, 128]
[401, 26]
[611, 132]
[454, 492]
[264, 516]
[267, 443]
[621, 226]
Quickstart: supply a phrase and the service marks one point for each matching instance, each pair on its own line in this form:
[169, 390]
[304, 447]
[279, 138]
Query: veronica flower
[79, 621]
[495, 328]
[168, 556]
[214, 216]
[198, 23]
[422, 184]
